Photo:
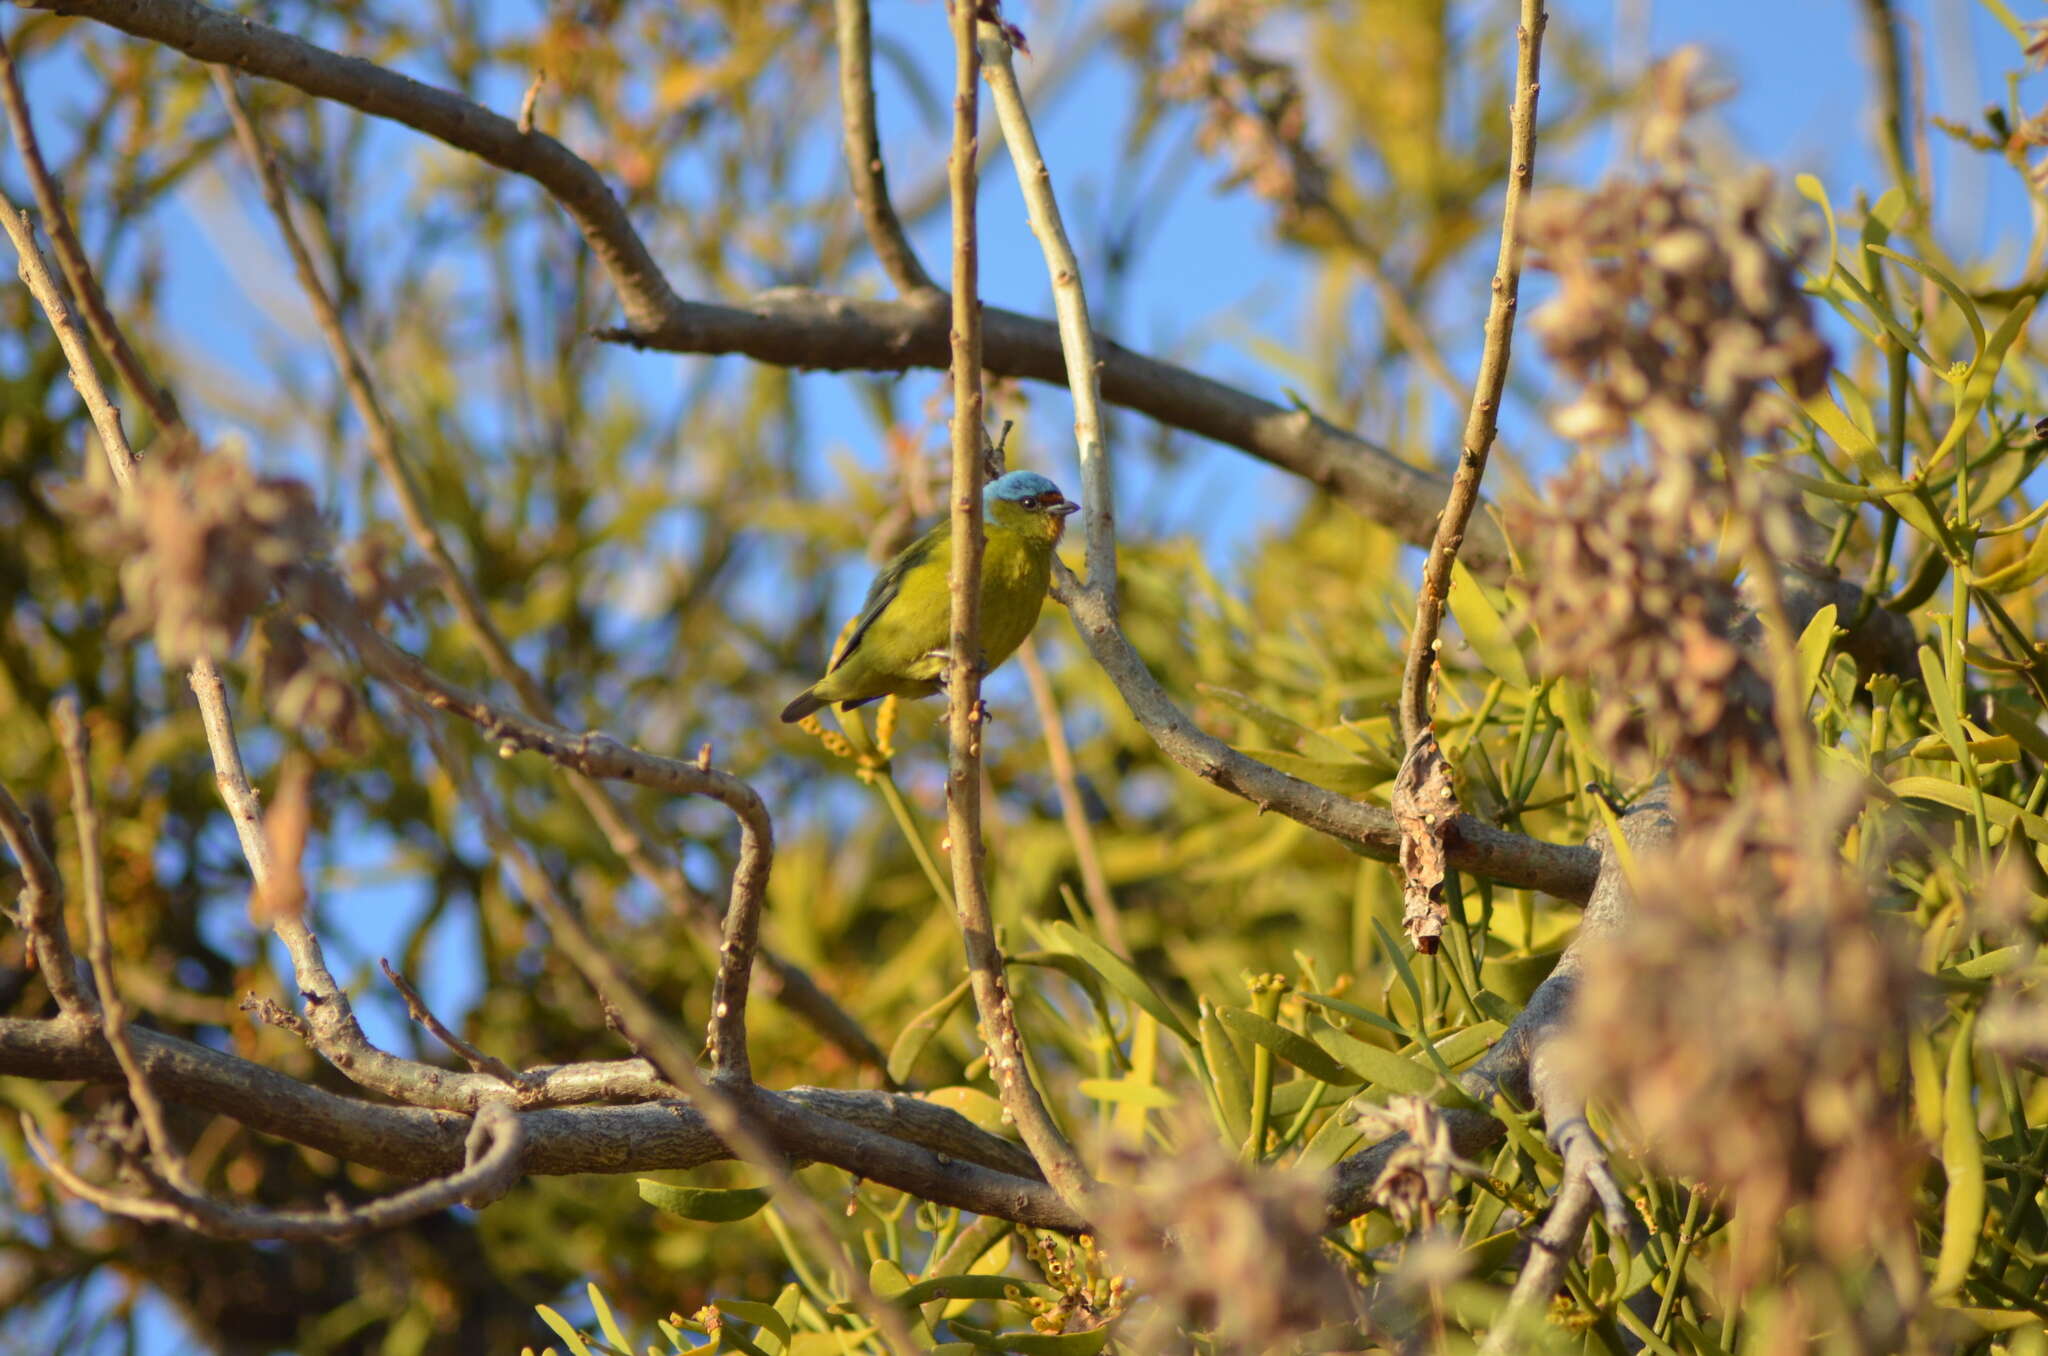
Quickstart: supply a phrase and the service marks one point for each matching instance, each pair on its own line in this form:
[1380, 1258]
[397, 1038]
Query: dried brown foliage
[1750, 1023]
[1621, 599]
[200, 542]
[1222, 1246]
[1253, 105]
[1675, 314]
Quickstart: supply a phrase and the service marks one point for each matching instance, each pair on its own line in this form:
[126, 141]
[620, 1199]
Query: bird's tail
[806, 702]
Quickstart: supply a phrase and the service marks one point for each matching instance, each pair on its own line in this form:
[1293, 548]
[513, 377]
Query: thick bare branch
[957, 1162]
[493, 1151]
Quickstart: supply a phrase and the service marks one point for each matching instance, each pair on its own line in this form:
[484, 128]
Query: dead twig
[1007, 1063]
[478, 1060]
[42, 911]
[164, 1153]
[1482, 420]
[863, 143]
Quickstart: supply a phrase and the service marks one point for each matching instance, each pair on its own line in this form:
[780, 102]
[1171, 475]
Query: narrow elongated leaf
[1485, 629]
[762, 1316]
[706, 1205]
[1227, 1075]
[1120, 975]
[1297, 1049]
[1380, 1068]
[1962, 1159]
[1035, 1344]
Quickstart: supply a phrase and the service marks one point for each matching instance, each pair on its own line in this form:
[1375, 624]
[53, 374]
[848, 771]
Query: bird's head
[1025, 501]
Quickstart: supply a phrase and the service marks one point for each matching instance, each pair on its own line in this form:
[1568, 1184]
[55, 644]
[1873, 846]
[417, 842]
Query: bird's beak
[1065, 507]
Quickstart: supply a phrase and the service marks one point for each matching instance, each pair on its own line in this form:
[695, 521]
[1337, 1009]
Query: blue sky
[1800, 79]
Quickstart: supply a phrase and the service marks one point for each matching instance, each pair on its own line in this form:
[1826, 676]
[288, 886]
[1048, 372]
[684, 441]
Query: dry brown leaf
[1424, 806]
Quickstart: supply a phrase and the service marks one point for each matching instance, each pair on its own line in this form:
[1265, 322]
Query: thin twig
[864, 151]
[478, 1060]
[42, 910]
[99, 949]
[494, 1155]
[743, 1120]
[791, 985]
[162, 406]
[42, 285]
[1482, 420]
[1007, 1064]
[1094, 881]
[1070, 306]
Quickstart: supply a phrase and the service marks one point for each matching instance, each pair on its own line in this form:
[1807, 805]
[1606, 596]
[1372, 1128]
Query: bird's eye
[1029, 501]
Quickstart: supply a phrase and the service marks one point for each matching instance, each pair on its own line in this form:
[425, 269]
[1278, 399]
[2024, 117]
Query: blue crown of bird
[898, 644]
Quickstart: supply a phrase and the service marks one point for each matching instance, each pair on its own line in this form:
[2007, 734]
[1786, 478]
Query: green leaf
[976, 1287]
[606, 1324]
[1227, 1075]
[1120, 975]
[1486, 631]
[1275, 724]
[762, 1316]
[577, 1346]
[1297, 1049]
[1955, 796]
[1460, 1046]
[1978, 382]
[1962, 1159]
[1357, 1013]
[1333, 1139]
[1942, 280]
[1813, 648]
[1380, 1068]
[918, 1033]
[1811, 189]
[1035, 1344]
[1124, 1091]
[706, 1205]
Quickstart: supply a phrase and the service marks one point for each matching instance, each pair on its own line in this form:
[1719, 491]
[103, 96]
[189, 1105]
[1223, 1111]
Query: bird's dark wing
[883, 591]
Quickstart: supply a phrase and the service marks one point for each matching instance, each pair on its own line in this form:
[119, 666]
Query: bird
[901, 639]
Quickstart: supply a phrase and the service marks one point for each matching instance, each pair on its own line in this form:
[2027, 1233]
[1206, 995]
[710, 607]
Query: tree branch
[494, 1148]
[863, 143]
[42, 911]
[955, 1162]
[1482, 420]
[1007, 1063]
[793, 986]
[793, 327]
[1515, 1065]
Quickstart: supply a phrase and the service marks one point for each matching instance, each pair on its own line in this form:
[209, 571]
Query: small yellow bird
[900, 641]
